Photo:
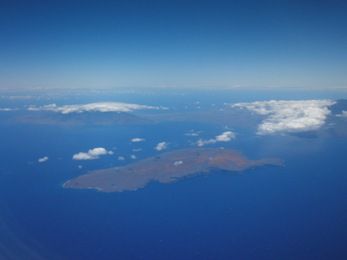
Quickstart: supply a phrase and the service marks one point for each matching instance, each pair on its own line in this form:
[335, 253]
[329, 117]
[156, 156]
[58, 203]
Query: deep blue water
[294, 212]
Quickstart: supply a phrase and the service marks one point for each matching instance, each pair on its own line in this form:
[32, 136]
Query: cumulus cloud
[137, 140]
[94, 107]
[92, 154]
[289, 115]
[133, 156]
[161, 146]
[121, 158]
[42, 159]
[223, 137]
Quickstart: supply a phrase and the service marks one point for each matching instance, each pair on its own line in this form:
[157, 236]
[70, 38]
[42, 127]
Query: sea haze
[295, 211]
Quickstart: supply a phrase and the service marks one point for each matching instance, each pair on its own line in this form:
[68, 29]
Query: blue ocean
[298, 211]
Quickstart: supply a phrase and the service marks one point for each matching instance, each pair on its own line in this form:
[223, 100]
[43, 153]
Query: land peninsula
[166, 168]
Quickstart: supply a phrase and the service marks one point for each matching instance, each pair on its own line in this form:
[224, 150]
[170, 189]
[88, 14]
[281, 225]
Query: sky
[222, 44]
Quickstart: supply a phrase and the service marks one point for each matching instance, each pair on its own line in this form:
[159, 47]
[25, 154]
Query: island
[166, 168]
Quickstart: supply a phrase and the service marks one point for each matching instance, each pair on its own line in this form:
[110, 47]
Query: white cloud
[136, 150]
[43, 159]
[223, 137]
[7, 109]
[161, 146]
[289, 115]
[137, 140]
[202, 142]
[343, 114]
[121, 158]
[192, 133]
[94, 107]
[177, 163]
[92, 154]
[133, 156]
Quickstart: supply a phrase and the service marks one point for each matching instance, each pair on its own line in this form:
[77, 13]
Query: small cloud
[79, 166]
[177, 163]
[121, 158]
[92, 154]
[43, 159]
[343, 114]
[161, 146]
[7, 109]
[133, 156]
[226, 136]
[137, 140]
[202, 142]
[136, 150]
[192, 133]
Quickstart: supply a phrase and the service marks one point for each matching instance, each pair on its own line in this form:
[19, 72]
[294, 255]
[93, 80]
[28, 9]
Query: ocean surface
[298, 211]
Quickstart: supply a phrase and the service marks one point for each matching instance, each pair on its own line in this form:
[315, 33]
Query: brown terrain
[165, 168]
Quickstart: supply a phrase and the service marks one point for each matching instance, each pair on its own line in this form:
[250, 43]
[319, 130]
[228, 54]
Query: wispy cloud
[289, 115]
[137, 140]
[94, 107]
[224, 137]
[202, 142]
[92, 154]
[343, 114]
[161, 146]
[192, 133]
[42, 159]
[18, 97]
[7, 109]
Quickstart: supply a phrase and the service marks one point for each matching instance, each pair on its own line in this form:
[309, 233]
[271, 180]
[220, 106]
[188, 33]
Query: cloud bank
[224, 137]
[94, 107]
[161, 146]
[92, 154]
[289, 116]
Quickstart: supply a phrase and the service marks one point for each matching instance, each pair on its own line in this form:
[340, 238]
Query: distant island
[166, 168]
